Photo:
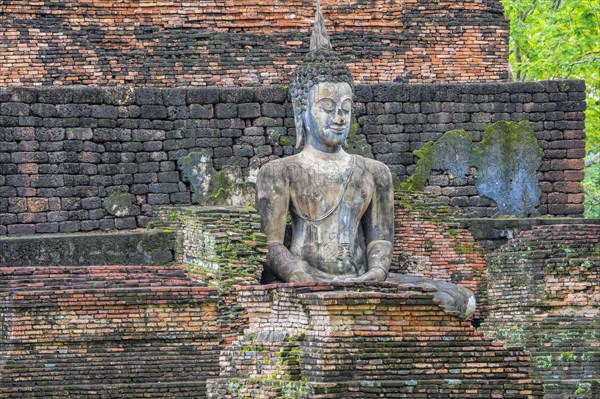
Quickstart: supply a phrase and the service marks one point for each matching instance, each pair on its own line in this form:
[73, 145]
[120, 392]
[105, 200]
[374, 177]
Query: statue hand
[372, 275]
[300, 276]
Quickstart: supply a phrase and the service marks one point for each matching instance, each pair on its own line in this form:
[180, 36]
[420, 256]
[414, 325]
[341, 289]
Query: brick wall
[63, 151]
[316, 340]
[428, 242]
[108, 331]
[241, 42]
[544, 293]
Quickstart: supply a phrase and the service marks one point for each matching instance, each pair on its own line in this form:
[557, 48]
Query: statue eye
[347, 105]
[327, 105]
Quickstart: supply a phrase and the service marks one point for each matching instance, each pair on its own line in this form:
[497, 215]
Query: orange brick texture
[243, 42]
[363, 341]
[120, 331]
[430, 243]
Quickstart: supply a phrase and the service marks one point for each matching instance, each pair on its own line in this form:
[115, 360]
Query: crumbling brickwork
[325, 340]
[113, 331]
[429, 242]
[241, 42]
[544, 294]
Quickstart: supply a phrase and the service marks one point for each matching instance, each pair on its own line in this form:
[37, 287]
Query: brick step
[166, 390]
[78, 277]
[132, 247]
[110, 361]
[106, 331]
[399, 388]
[39, 317]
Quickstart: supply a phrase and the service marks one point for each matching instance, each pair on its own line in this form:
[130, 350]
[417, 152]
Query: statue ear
[299, 121]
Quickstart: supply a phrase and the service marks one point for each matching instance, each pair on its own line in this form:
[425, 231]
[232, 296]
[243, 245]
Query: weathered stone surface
[507, 161]
[68, 149]
[120, 331]
[131, 248]
[121, 204]
[225, 187]
[349, 197]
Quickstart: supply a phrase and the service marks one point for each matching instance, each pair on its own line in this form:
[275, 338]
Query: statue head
[321, 91]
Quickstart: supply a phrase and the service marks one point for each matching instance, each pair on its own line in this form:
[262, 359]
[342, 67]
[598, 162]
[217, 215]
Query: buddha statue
[341, 205]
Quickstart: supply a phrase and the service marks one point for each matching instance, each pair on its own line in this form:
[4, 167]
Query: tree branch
[592, 160]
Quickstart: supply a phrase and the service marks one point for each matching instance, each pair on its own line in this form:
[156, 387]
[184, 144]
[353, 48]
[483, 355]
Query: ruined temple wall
[64, 151]
[543, 294]
[242, 42]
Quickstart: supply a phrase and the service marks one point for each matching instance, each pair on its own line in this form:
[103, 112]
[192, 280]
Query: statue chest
[332, 196]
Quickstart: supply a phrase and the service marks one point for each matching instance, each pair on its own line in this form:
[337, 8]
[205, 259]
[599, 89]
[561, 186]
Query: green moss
[118, 204]
[507, 160]
[420, 177]
[449, 152]
[219, 186]
[356, 144]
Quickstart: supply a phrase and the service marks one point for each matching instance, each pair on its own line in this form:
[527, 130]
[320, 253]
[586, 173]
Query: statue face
[327, 117]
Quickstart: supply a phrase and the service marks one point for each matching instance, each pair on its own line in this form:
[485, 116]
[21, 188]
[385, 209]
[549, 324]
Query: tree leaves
[560, 39]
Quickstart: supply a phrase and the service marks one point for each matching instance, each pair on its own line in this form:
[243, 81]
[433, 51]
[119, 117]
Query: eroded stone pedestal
[319, 340]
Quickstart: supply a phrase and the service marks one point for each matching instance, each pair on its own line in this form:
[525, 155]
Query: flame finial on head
[319, 39]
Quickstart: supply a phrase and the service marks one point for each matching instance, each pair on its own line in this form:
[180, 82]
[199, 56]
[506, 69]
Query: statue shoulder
[380, 171]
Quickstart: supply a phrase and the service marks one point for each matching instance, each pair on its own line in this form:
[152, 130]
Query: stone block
[248, 110]
[201, 111]
[153, 112]
[149, 96]
[236, 95]
[203, 96]
[223, 110]
[14, 109]
[178, 112]
[55, 95]
[273, 94]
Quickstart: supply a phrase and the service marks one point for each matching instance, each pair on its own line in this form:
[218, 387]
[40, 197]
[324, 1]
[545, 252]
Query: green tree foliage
[560, 39]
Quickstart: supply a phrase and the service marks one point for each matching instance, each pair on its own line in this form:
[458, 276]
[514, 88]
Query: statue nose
[339, 117]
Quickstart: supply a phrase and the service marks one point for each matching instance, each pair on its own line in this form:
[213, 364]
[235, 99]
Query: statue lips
[338, 130]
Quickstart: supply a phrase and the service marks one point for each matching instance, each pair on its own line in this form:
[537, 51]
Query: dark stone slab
[113, 248]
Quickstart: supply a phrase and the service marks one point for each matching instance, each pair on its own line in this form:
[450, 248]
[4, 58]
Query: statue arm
[272, 202]
[378, 225]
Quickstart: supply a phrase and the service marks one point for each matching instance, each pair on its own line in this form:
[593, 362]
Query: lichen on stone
[357, 144]
[451, 153]
[507, 160]
[211, 187]
[120, 205]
